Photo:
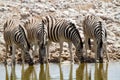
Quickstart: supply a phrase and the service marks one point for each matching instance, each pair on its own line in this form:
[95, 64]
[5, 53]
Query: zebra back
[55, 27]
[61, 30]
[94, 27]
[14, 32]
[35, 30]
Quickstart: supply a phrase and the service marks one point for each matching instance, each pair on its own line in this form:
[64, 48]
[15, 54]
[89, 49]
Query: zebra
[61, 30]
[36, 35]
[15, 36]
[94, 28]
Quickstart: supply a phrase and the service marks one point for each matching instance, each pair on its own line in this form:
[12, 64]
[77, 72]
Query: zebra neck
[76, 43]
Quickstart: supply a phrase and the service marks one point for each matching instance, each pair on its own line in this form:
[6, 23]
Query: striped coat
[94, 28]
[15, 36]
[61, 30]
[36, 35]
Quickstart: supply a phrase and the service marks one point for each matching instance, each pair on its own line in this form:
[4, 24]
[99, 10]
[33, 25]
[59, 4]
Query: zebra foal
[15, 36]
[61, 30]
[36, 35]
[94, 28]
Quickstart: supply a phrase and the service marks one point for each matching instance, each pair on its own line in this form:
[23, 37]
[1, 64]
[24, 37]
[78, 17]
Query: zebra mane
[72, 24]
[44, 20]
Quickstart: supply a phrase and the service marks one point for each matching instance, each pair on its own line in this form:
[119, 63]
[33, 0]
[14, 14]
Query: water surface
[64, 71]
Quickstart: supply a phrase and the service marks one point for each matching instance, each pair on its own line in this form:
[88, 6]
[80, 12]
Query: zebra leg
[42, 53]
[95, 49]
[47, 53]
[34, 50]
[5, 61]
[70, 49]
[10, 51]
[23, 57]
[86, 45]
[105, 51]
[89, 43]
[13, 54]
[61, 49]
[100, 51]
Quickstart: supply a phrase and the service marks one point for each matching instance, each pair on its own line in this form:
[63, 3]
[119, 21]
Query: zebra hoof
[14, 63]
[71, 60]
[82, 59]
[101, 60]
[46, 61]
[96, 61]
[41, 60]
[31, 63]
[5, 62]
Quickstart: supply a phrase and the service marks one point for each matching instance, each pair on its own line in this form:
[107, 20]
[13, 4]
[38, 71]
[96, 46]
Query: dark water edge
[63, 71]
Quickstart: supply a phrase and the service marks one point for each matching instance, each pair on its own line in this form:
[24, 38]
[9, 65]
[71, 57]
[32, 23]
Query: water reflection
[80, 72]
[62, 76]
[71, 71]
[84, 71]
[28, 74]
[13, 75]
[6, 71]
[61, 73]
[44, 72]
[100, 72]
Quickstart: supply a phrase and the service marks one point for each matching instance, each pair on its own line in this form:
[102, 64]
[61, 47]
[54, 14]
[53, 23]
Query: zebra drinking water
[15, 36]
[61, 30]
[94, 28]
[36, 35]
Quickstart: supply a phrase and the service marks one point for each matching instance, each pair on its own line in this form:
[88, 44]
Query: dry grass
[84, 7]
[107, 0]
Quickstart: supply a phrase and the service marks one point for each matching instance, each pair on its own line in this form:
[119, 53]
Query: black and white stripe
[36, 35]
[61, 30]
[15, 36]
[94, 28]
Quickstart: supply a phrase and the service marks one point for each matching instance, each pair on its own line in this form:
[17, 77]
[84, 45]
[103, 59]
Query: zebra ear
[72, 24]
[5, 25]
[42, 21]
